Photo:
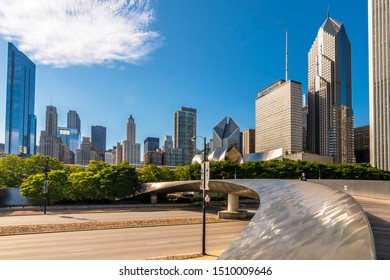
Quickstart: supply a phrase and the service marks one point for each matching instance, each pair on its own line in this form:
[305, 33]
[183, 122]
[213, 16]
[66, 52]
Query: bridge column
[233, 200]
[153, 199]
[233, 211]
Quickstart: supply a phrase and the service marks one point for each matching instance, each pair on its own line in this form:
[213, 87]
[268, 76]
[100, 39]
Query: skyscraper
[130, 130]
[248, 141]
[49, 144]
[20, 120]
[279, 117]
[131, 151]
[379, 77]
[330, 115]
[184, 130]
[51, 121]
[74, 121]
[151, 144]
[86, 152]
[98, 140]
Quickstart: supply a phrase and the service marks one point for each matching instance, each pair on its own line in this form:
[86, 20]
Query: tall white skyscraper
[130, 130]
[379, 76]
[330, 115]
[131, 151]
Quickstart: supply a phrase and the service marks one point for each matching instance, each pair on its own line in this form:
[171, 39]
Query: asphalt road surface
[119, 244]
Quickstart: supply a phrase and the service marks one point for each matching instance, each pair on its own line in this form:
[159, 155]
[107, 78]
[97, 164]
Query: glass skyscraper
[20, 121]
[330, 114]
[184, 130]
[70, 137]
[98, 140]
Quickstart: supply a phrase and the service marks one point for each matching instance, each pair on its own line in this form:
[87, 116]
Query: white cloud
[63, 33]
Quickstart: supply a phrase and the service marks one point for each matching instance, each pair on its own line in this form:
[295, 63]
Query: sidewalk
[82, 216]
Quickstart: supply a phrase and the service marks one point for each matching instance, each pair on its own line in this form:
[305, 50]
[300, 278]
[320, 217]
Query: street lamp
[204, 194]
[45, 185]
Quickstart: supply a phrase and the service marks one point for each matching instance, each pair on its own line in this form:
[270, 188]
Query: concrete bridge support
[153, 199]
[233, 211]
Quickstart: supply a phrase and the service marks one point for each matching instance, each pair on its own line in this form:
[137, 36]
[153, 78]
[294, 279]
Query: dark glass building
[151, 144]
[20, 120]
[362, 144]
[98, 140]
[184, 130]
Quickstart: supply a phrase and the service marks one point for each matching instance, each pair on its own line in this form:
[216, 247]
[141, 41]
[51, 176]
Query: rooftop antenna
[286, 54]
[328, 11]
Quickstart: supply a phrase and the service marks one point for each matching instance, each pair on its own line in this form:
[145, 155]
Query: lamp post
[319, 172]
[45, 185]
[204, 194]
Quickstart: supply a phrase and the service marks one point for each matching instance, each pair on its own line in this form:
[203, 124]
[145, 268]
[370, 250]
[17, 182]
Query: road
[377, 211]
[119, 244]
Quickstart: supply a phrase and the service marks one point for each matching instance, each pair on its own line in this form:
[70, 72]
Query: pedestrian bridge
[296, 219]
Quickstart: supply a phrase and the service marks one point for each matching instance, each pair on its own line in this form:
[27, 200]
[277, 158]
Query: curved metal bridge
[295, 220]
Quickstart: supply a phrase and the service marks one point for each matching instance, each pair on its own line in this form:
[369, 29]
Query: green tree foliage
[37, 164]
[12, 172]
[153, 173]
[84, 187]
[119, 181]
[58, 186]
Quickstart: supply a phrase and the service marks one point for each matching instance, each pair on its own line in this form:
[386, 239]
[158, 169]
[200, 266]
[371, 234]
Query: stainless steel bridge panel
[295, 220]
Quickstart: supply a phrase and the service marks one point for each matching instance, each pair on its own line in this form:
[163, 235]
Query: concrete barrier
[368, 188]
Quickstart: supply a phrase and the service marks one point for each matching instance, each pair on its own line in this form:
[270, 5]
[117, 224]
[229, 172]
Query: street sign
[45, 184]
[205, 173]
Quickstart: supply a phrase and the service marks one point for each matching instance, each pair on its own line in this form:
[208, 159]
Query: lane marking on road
[152, 233]
[227, 236]
[157, 243]
[79, 250]
[84, 238]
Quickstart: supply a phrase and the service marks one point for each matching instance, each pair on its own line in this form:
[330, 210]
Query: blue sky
[212, 55]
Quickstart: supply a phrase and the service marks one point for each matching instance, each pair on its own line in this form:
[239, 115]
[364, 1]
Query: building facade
[151, 144]
[69, 137]
[330, 115]
[86, 153]
[279, 117]
[184, 130]
[20, 120]
[248, 141]
[131, 152]
[362, 143]
[379, 82]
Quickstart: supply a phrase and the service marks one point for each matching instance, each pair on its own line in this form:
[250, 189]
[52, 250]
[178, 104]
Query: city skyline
[221, 61]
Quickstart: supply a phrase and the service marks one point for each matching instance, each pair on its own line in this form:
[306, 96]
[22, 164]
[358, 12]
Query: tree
[37, 164]
[58, 186]
[84, 186]
[120, 181]
[12, 172]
